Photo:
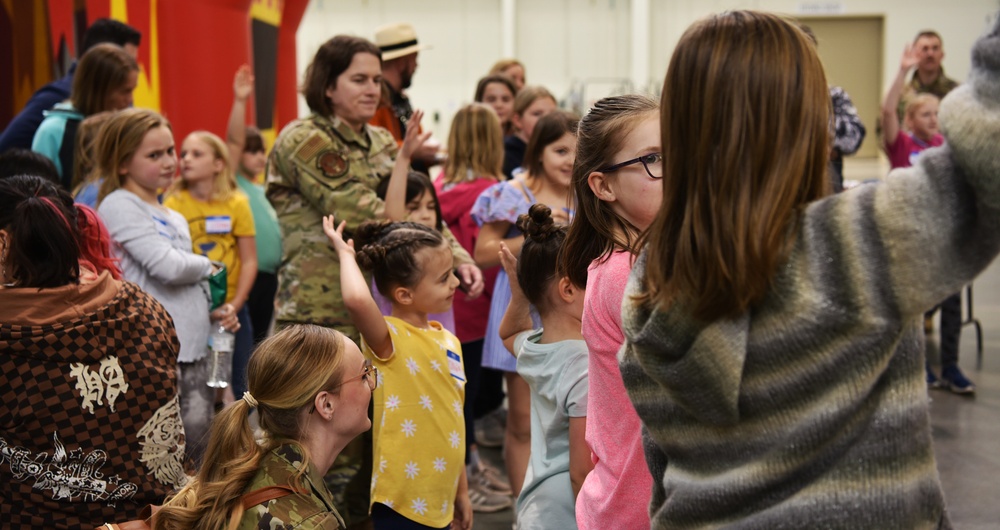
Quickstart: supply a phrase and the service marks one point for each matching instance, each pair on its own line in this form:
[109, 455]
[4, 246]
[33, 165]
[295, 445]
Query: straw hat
[397, 40]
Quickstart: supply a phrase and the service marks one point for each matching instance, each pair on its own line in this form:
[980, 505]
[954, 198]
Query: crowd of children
[640, 277]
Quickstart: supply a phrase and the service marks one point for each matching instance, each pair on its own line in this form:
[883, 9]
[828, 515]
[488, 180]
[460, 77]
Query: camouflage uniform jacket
[320, 166]
[295, 510]
[940, 88]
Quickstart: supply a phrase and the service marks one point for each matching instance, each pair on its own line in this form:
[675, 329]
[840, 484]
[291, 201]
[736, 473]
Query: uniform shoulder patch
[332, 164]
[310, 147]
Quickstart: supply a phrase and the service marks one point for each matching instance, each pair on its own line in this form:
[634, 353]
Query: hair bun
[537, 224]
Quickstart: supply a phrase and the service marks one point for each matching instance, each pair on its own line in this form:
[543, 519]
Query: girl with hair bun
[418, 478]
[553, 361]
[311, 388]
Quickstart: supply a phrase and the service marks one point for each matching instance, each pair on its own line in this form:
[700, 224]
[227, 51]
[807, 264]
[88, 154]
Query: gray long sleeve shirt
[155, 249]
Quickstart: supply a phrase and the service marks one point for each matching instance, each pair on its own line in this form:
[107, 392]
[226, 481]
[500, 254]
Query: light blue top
[557, 375]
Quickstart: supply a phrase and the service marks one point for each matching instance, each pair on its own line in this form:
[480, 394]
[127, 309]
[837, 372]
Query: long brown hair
[475, 144]
[744, 117]
[597, 230]
[284, 375]
[102, 70]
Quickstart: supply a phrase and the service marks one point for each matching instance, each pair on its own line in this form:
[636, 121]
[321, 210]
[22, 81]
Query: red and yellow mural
[189, 53]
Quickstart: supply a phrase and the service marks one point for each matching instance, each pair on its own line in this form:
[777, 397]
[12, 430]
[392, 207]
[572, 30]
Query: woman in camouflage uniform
[311, 388]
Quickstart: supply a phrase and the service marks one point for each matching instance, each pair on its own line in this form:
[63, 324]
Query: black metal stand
[971, 319]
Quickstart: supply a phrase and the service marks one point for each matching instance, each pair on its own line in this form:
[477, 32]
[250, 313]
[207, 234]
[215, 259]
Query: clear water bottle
[221, 342]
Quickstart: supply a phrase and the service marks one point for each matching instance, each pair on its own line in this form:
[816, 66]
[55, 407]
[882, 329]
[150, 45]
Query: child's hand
[463, 513]
[336, 235]
[509, 263]
[243, 83]
[472, 280]
[911, 57]
[413, 140]
[508, 260]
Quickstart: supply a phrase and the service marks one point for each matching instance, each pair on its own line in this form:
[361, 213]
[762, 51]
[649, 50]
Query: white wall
[564, 43]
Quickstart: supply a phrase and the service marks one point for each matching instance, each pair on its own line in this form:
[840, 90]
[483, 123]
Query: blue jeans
[241, 352]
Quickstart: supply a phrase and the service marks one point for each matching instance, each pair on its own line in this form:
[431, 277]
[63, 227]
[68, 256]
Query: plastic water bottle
[221, 342]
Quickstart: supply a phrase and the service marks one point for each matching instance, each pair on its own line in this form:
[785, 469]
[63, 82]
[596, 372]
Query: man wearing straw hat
[399, 45]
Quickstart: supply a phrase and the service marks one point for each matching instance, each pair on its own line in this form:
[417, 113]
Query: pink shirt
[905, 150]
[616, 493]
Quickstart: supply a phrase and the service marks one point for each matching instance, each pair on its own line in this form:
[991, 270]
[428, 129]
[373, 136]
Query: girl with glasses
[617, 186]
[418, 477]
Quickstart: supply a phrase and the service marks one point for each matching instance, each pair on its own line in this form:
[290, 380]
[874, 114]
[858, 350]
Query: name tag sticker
[455, 366]
[218, 224]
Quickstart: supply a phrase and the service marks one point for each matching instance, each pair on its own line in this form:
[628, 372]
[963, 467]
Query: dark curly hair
[389, 250]
[538, 265]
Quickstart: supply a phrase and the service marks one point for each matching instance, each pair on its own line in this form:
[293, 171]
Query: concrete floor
[966, 430]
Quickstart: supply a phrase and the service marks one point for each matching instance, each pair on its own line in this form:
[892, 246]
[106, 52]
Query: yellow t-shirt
[214, 227]
[419, 429]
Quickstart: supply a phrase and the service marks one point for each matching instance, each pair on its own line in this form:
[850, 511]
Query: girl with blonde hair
[135, 158]
[530, 105]
[475, 149]
[222, 228]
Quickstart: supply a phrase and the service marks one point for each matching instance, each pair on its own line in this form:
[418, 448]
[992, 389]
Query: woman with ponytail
[311, 388]
[89, 420]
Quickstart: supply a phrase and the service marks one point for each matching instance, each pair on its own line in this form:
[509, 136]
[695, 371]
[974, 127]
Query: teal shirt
[557, 375]
[265, 222]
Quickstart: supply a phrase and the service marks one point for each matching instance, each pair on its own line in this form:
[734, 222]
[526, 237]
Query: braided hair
[388, 249]
[538, 265]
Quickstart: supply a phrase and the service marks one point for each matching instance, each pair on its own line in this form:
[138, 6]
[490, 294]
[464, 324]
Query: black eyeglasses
[653, 163]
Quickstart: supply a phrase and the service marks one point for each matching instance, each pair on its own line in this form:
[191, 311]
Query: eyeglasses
[653, 163]
[370, 374]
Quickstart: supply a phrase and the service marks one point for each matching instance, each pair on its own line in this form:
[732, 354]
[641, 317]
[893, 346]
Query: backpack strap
[267, 493]
[66, 151]
[251, 499]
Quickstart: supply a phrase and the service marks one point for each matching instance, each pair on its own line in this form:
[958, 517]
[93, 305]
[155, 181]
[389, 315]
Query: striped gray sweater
[811, 410]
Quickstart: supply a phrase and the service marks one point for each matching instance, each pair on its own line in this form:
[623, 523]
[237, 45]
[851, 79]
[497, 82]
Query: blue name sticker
[455, 366]
[218, 224]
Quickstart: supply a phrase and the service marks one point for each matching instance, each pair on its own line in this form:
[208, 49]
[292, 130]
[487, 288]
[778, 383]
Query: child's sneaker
[955, 380]
[483, 498]
[492, 477]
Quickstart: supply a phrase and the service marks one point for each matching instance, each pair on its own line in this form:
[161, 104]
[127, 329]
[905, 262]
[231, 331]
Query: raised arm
[890, 120]
[236, 130]
[517, 318]
[357, 297]
[395, 193]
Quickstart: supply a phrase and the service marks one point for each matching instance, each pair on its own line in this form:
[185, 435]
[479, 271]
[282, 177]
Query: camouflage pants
[349, 478]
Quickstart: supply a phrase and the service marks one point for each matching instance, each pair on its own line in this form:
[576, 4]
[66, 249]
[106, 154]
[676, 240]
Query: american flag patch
[310, 148]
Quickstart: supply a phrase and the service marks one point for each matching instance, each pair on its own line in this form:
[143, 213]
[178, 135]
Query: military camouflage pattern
[295, 510]
[320, 166]
[940, 88]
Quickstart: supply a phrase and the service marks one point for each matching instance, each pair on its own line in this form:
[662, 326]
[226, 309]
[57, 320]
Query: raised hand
[336, 235]
[414, 140]
[911, 57]
[243, 82]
